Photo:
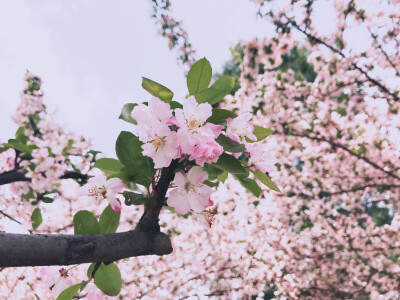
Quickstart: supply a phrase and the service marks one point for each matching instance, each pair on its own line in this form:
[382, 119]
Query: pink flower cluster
[190, 133]
[184, 133]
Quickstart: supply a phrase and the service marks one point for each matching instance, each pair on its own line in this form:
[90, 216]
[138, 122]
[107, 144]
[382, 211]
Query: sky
[91, 55]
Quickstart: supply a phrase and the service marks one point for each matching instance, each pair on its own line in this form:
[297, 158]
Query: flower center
[158, 143]
[189, 187]
[193, 124]
[98, 193]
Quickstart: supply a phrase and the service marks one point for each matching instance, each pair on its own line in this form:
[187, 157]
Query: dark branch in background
[337, 145]
[17, 250]
[16, 176]
[353, 64]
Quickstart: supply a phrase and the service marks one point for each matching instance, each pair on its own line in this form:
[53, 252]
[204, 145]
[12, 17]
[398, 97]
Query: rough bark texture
[17, 250]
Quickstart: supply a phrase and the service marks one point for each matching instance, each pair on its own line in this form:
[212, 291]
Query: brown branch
[16, 176]
[149, 221]
[17, 250]
[353, 64]
[337, 145]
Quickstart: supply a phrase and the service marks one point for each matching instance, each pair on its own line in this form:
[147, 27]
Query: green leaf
[108, 279]
[210, 183]
[132, 198]
[264, 178]
[90, 270]
[129, 152]
[83, 285]
[212, 171]
[85, 223]
[221, 87]
[109, 220]
[223, 176]
[69, 293]
[199, 76]
[175, 104]
[229, 145]
[36, 218]
[126, 113]
[229, 163]
[219, 116]
[157, 90]
[20, 135]
[12, 143]
[109, 165]
[261, 133]
[251, 186]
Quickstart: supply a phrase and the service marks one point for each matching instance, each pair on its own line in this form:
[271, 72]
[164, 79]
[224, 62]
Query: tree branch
[149, 221]
[353, 64]
[18, 250]
[337, 145]
[15, 176]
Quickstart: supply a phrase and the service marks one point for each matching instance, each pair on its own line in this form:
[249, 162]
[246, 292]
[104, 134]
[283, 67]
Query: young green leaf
[109, 165]
[157, 90]
[36, 218]
[199, 76]
[132, 198]
[251, 186]
[212, 171]
[221, 87]
[223, 176]
[85, 223]
[229, 163]
[264, 178]
[260, 133]
[83, 285]
[129, 152]
[108, 279]
[219, 116]
[69, 293]
[109, 220]
[126, 113]
[229, 145]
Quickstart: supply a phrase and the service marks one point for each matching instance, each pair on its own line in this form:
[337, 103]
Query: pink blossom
[193, 115]
[155, 111]
[56, 279]
[206, 152]
[260, 158]
[240, 127]
[191, 192]
[162, 146]
[99, 188]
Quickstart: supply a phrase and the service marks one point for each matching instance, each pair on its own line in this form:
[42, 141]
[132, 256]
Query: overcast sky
[91, 55]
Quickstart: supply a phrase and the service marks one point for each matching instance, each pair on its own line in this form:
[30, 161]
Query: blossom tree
[332, 233]
[186, 147]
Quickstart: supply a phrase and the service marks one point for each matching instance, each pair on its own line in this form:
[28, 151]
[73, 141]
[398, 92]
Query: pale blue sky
[91, 55]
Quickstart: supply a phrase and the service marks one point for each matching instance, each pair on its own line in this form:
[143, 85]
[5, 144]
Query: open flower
[193, 116]
[99, 188]
[191, 192]
[56, 279]
[240, 127]
[156, 111]
[162, 146]
[150, 117]
[260, 158]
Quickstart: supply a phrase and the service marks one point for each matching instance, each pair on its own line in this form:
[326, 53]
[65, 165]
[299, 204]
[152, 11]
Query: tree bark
[18, 250]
